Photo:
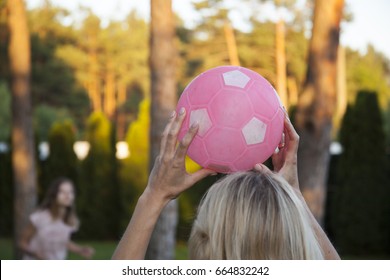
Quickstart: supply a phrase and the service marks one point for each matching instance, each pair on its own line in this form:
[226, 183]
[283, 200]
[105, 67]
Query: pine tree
[98, 187]
[361, 205]
[62, 161]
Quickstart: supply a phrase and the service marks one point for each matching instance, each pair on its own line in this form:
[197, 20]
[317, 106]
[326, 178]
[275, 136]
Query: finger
[174, 131]
[261, 168]
[291, 141]
[282, 142]
[166, 131]
[290, 131]
[186, 141]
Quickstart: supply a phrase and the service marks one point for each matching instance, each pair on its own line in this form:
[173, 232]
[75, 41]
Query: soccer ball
[240, 118]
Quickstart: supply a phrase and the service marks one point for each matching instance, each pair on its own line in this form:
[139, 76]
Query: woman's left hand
[285, 161]
[169, 177]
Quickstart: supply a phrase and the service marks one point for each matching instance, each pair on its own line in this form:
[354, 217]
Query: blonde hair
[252, 215]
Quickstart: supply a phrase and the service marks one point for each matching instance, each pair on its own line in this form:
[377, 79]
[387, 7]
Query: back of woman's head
[252, 215]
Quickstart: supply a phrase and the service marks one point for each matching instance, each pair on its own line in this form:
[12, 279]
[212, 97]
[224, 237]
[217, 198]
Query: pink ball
[240, 118]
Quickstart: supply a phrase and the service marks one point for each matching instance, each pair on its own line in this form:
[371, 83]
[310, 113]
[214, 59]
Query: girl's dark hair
[50, 202]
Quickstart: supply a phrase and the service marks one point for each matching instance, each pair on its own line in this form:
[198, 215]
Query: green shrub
[6, 194]
[360, 210]
[98, 202]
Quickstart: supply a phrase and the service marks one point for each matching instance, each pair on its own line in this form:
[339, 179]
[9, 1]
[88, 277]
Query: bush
[62, 161]
[45, 117]
[6, 194]
[5, 112]
[361, 207]
[135, 169]
[99, 191]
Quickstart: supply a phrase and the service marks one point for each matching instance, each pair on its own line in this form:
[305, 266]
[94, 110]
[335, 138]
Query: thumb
[200, 174]
[261, 168]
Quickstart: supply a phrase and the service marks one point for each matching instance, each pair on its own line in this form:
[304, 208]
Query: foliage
[53, 81]
[5, 112]
[370, 72]
[98, 201]
[62, 161]
[361, 208]
[205, 46]
[135, 169]
[6, 194]
[45, 117]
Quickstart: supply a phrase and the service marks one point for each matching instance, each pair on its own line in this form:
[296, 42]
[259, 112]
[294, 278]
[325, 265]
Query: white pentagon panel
[235, 78]
[254, 131]
[202, 117]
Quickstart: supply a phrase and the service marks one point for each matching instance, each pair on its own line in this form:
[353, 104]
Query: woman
[248, 215]
[48, 235]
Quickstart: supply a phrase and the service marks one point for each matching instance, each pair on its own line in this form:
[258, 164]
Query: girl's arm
[84, 251]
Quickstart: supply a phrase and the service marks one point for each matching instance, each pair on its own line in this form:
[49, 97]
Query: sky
[370, 24]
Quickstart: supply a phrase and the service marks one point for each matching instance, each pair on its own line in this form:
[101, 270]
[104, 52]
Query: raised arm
[285, 164]
[166, 181]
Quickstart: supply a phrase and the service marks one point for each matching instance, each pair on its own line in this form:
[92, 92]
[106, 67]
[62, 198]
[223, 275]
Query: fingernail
[173, 114]
[258, 166]
[182, 111]
[194, 125]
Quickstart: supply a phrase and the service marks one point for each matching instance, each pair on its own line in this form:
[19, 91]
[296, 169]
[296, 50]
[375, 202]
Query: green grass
[6, 250]
[103, 250]
[181, 251]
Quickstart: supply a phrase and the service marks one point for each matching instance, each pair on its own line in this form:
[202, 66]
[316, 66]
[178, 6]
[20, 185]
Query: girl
[47, 236]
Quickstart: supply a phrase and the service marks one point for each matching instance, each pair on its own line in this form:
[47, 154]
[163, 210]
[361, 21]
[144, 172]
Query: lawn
[103, 250]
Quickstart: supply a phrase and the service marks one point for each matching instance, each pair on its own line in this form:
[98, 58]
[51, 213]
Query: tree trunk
[109, 92]
[316, 105]
[23, 155]
[121, 93]
[231, 44]
[281, 86]
[121, 116]
[292, 92]
[163, 93]
[94, 82]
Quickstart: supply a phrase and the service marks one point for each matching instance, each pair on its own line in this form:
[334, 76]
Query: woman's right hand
[285, 161]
